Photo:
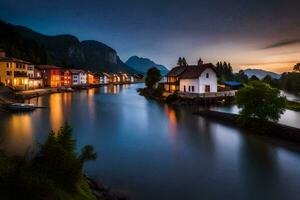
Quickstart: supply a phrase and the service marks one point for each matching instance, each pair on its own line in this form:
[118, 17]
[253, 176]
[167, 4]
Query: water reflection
[259, 162]
[19, 138]
[156, 151]
[172, 122]
[56, 114]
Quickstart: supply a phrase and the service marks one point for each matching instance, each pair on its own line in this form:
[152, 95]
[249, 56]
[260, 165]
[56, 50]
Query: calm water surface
[154, 151]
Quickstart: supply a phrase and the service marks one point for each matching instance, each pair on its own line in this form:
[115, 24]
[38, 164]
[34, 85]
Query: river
[154, 151]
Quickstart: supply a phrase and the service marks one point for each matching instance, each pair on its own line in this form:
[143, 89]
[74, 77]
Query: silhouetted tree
[297, 67]
[184, 63]
[200, 62]
[179, 62]
[153, 77]
[254, 78]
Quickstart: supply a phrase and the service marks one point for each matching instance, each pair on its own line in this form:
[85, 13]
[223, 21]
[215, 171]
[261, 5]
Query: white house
[201, 78]
[82, 77]
[79, 77]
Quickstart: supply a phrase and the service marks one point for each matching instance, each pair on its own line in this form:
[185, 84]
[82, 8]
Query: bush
[259, 100]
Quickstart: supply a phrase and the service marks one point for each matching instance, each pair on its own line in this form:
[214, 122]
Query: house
[90, 78]
[67, 78]
[114, 78]
[123, 77]
[96, 79]
[53, 76]
[201, 78]
[105, 79]
[79, 77]
[13, 71]
[35, 77]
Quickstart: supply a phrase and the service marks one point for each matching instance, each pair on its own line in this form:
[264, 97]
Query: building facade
[201, 78]
[53, 76]
[35, 77]
[13, 72]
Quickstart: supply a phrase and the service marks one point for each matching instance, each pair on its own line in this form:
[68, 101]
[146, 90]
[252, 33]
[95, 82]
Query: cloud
[283, 43]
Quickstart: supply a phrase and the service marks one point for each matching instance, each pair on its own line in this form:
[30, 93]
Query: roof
[194, 71]
[13, 60]
[176, 71]
[45, 67]
[77, 71]
[232, 83]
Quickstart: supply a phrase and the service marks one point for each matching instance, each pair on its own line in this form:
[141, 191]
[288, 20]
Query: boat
[21, 107]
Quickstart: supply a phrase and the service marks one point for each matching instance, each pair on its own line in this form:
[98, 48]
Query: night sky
[257, 33]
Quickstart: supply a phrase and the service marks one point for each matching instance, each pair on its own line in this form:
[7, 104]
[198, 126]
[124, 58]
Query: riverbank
[158, 94]
[293, 105]
[255, 126]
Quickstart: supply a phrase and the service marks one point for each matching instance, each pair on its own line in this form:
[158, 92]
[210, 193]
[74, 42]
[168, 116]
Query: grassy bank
[255, 126]
[292, 105]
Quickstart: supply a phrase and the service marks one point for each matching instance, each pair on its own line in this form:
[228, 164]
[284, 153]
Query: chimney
[2, 53]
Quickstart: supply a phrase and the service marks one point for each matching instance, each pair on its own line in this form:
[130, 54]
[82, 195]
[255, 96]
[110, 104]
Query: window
[193, 88]
[7, 65]
[207, 75]
[189, 88]
[184, 88]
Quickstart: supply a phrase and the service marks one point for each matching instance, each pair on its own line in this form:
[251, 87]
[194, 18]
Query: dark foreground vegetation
[54, 172]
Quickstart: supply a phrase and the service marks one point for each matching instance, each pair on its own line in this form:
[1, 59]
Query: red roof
[194, 71]
[191, 71]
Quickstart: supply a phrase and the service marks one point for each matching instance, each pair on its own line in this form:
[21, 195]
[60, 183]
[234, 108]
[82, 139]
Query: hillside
[143, 64]
[259, 73]
[65, 50]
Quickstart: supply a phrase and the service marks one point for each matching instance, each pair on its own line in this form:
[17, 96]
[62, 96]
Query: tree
[297, 67]
[261, 101]
[153, 77]
[184, 63]
[179, 62]
[87, 153]
[200, 62]
[65, 139]
[254, 78]
[241, 77]
[267, 79]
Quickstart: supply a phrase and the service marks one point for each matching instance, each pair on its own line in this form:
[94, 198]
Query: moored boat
[21, 107]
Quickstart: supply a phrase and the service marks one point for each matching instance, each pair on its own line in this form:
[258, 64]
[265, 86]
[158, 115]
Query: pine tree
[184, 63]
[179, 63]
[65, 138]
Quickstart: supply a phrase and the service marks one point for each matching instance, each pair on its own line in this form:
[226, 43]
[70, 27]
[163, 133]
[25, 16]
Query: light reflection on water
[155, 151]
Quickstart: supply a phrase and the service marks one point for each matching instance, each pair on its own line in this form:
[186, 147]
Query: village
[21, 75]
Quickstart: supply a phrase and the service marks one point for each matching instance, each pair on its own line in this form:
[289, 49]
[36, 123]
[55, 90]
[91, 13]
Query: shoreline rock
[102, 191]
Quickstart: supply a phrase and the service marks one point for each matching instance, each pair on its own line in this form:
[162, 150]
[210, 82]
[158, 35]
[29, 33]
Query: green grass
[292, 105]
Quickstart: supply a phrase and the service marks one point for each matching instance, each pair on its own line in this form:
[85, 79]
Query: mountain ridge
[64, 50]
[142, 64]
[260, 73]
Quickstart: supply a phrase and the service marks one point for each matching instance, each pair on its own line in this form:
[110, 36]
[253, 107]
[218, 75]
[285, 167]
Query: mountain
[143, 64]
[259, 73]
[63, 50]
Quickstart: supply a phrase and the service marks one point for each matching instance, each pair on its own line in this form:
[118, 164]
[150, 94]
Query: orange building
[52, 75]
[90, 78]
[67, 82]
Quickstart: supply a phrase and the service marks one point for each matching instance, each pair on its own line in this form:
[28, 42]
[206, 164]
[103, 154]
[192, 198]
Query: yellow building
[13, 72]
